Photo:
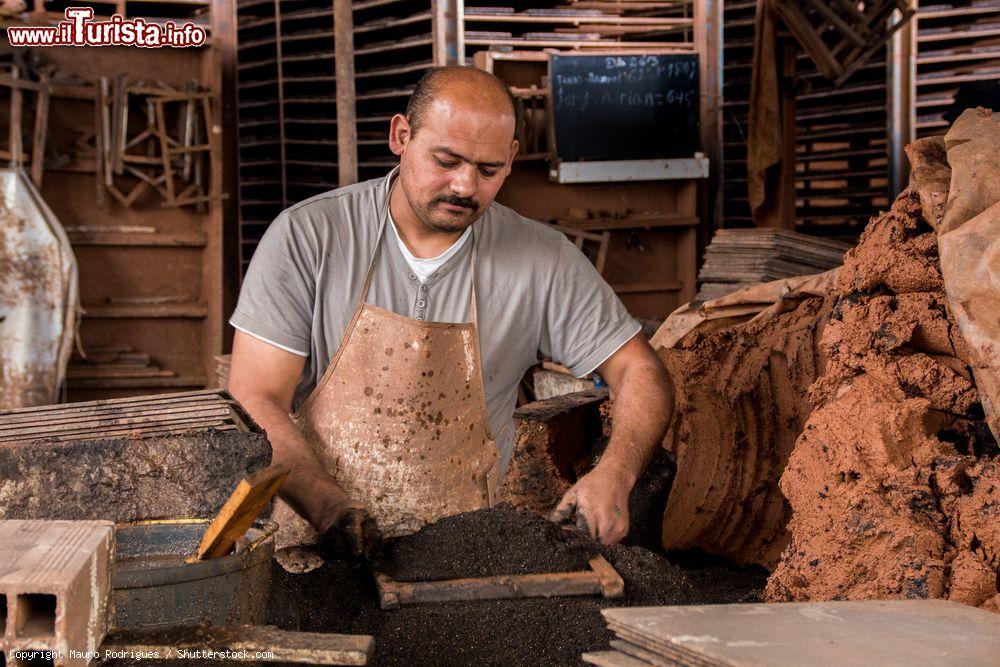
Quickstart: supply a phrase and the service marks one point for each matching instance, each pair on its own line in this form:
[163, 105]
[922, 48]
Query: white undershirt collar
[425, 267]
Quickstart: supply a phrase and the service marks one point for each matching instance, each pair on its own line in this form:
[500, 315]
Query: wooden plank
[612, 584]
[67, 422]
[139, 383]
[601, 580]
[144, 311]
[193, 240]
[287, 646]
[631, 649]
[239, 512]
[175, 429]
[40, 132]
[393, 594]
[115, 426]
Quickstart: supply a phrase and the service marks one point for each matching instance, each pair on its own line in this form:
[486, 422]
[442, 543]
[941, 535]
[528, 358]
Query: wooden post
[708, 43]
[347, 127]
[901, 92]
[16, 109]
[786, 201]
[41, 131]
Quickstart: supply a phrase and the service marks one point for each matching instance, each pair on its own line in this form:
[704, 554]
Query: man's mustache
[465, 202]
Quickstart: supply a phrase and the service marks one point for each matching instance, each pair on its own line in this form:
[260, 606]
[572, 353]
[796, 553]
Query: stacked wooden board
[871, 632]
[134, 417]
[737, 258]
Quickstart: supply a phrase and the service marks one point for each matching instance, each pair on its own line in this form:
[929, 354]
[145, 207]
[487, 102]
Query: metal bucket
[154, 587]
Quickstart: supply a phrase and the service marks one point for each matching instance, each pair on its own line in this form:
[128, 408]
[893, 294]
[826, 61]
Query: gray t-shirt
[537, 293]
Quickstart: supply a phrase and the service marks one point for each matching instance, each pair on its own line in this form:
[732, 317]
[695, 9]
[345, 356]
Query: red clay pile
[863, 402]
[895, 481]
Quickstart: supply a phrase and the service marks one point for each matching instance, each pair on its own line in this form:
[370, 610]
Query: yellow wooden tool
[242, 508]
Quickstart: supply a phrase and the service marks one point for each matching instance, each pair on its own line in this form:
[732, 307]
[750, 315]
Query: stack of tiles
[865, 632]
[738, 258]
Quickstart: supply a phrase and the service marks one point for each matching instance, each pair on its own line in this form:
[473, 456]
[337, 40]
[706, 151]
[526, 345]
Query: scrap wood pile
[837, 429]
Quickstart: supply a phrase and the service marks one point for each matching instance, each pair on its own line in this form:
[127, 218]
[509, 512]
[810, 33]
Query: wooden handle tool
[251, 496]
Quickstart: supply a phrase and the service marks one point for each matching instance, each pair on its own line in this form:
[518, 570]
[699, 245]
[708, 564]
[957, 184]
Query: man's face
[452, 167]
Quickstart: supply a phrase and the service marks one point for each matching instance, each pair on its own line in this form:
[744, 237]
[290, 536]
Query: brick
[554, 444]
[55, 583]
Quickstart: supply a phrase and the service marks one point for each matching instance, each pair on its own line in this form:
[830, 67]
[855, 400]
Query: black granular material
[486, 543]
[340, 597]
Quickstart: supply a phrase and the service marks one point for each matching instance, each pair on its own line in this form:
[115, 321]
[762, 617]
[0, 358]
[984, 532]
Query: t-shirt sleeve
[276, 300]
[585, 321]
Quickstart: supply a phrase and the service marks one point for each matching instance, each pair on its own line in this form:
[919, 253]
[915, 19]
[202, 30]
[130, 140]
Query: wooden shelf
[178, 381]
[145, 311]
[655, 221]
[137, 239]
[391, 22]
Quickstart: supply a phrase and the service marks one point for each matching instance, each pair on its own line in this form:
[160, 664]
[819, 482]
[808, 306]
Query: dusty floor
[341, 598]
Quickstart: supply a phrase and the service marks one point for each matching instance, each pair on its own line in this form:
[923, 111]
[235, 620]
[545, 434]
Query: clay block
[55, 583]
[554, 444]
[124, 480]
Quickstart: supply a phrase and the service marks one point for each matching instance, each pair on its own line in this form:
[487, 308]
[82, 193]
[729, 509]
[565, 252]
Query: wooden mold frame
[601, 579]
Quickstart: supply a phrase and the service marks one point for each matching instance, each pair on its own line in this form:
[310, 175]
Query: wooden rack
[287, 109]
[944, 60]
[954, 48]
[840, 137]
[152, 275]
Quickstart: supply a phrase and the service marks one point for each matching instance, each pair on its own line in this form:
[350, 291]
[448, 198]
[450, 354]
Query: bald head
[462, 85]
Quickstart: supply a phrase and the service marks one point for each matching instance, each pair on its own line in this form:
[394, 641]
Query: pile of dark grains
[341, 597]
[483, 544]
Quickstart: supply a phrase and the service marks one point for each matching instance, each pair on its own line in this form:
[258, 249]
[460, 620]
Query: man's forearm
[640, 414]
[309, 489]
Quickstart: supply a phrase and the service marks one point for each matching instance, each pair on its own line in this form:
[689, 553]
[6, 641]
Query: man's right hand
[352, 534]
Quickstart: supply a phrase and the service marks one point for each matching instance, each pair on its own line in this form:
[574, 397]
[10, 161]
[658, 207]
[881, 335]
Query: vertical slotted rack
[309, 95]
[840, 136]
[287, 109]
[957, 54]
[393, 47]
[258, 66]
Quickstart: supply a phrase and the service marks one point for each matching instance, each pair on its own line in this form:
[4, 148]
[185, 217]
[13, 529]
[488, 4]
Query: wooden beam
[347, 129]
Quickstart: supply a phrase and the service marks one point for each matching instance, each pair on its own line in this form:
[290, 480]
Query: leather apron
[399, 419]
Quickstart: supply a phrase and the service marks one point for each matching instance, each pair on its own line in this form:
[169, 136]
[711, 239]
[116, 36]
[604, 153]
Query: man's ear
[400, 132]
[514, 146]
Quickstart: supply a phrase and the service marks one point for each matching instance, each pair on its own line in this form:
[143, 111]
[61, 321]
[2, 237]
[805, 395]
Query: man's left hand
[598, 504]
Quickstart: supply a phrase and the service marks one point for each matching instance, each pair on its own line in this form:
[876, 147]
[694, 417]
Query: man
[398, 316]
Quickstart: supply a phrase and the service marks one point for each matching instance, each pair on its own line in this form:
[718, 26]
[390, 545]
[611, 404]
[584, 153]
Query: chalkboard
[624, 107]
